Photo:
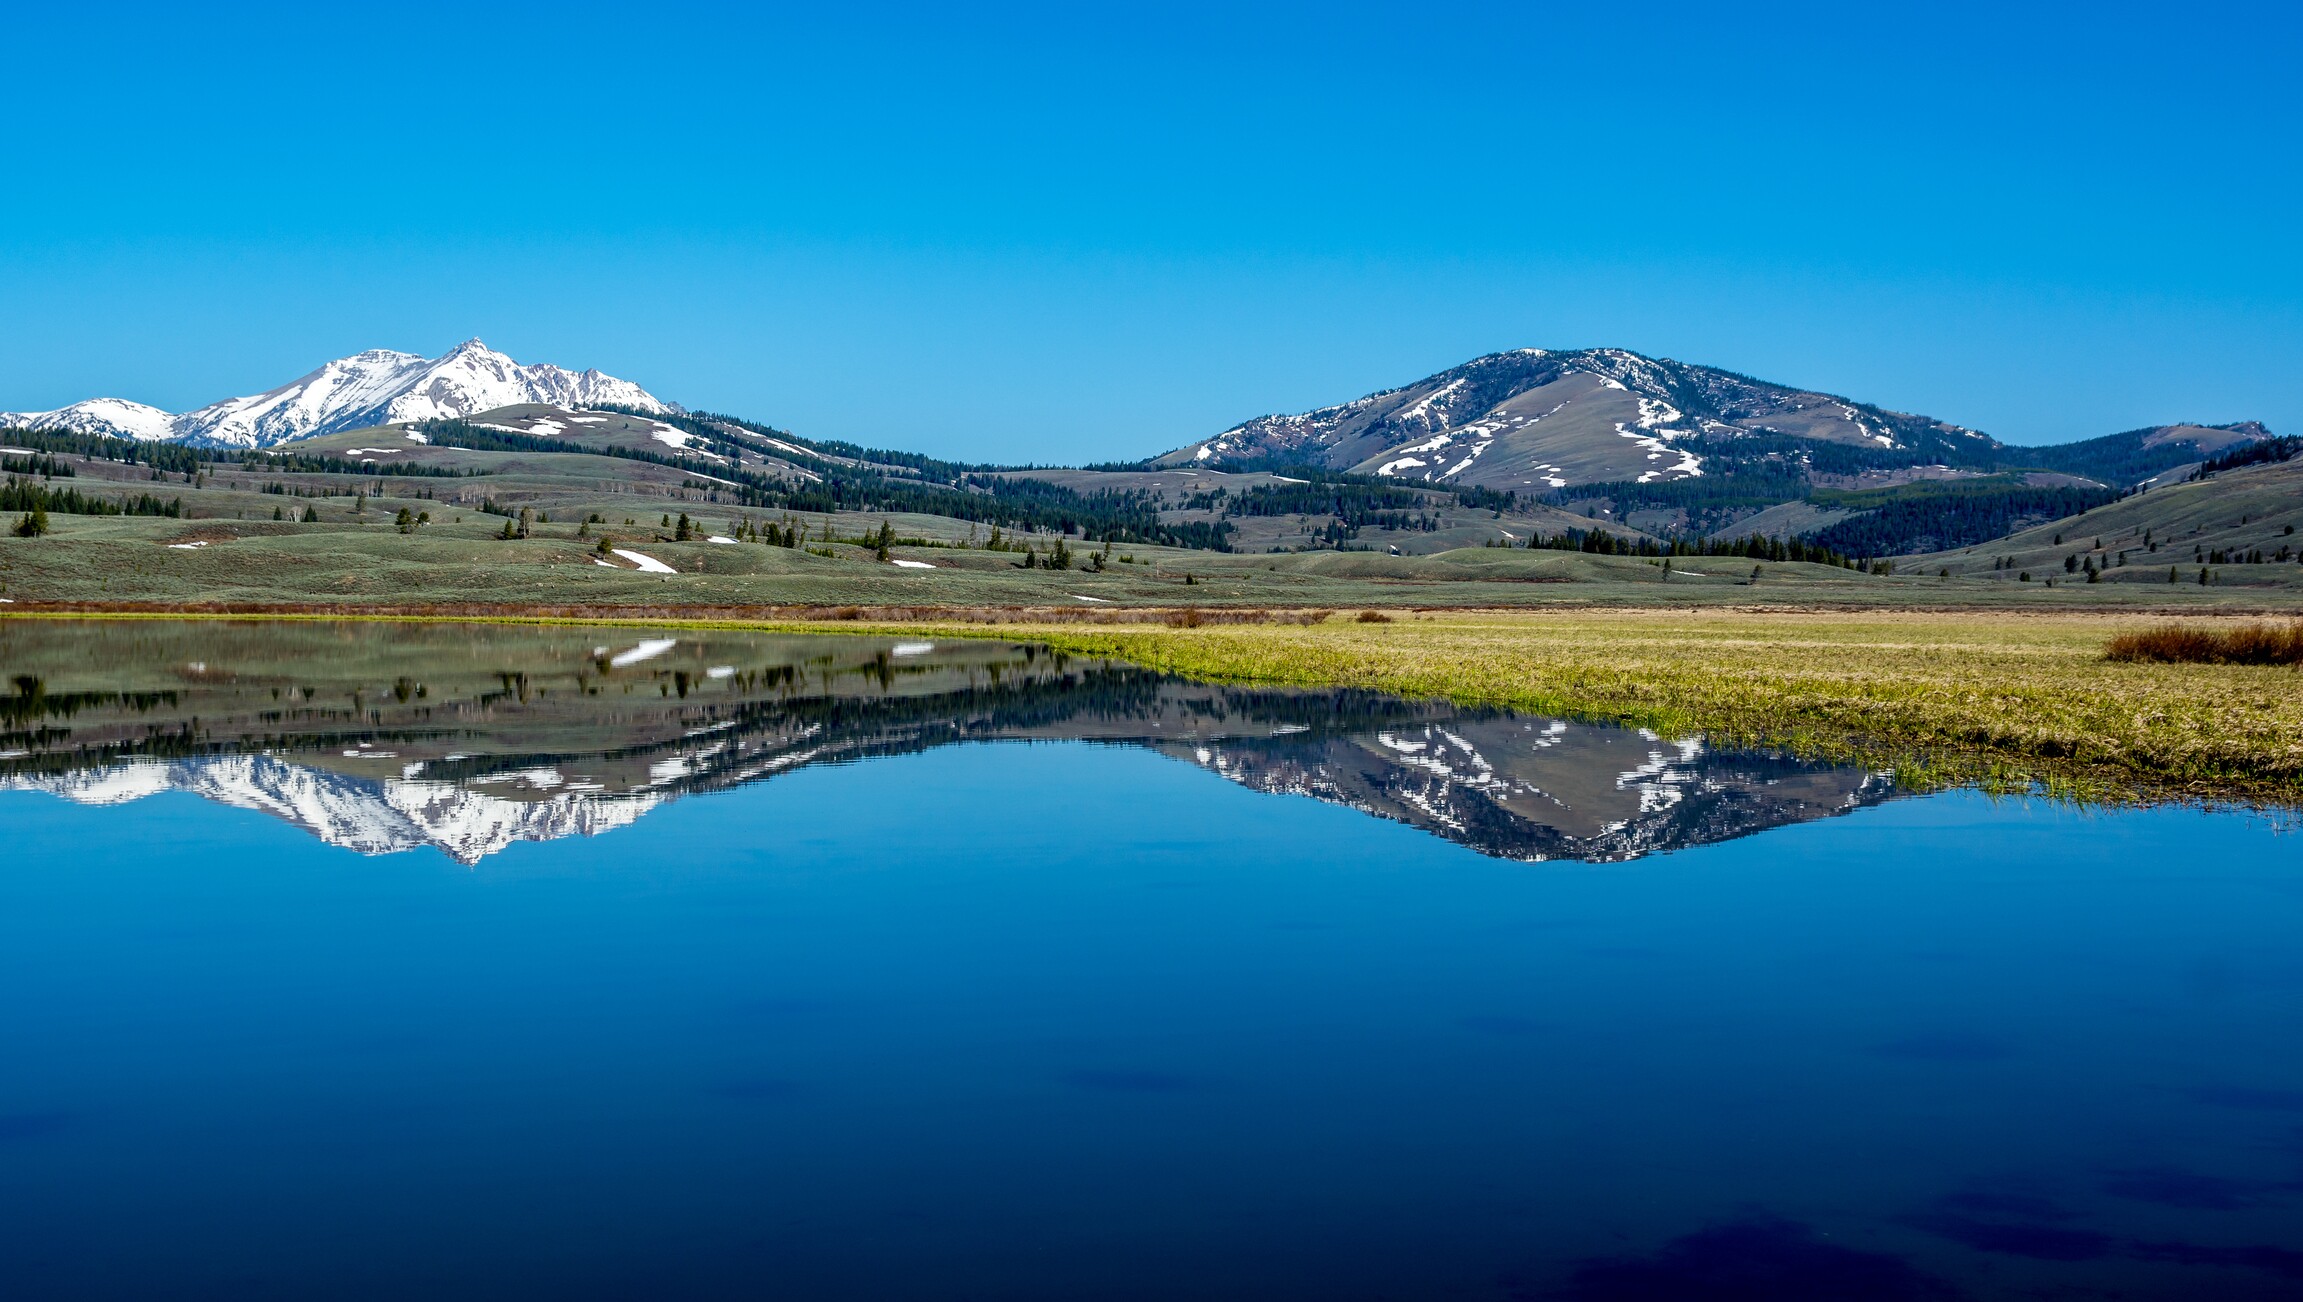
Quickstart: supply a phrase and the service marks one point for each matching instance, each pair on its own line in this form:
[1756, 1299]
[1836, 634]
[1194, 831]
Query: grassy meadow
[349, 561]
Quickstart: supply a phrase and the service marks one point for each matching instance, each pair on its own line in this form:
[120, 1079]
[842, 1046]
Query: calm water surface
[360, 962]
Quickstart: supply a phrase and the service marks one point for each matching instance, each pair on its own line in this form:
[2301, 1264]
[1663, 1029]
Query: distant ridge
[376, 387]
[1536, 420]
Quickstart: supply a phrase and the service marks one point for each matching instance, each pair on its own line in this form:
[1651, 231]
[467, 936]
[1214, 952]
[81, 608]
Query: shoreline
[987, 613]
[1940, 697]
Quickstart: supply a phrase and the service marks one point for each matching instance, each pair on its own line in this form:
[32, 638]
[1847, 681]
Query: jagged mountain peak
[376, 386]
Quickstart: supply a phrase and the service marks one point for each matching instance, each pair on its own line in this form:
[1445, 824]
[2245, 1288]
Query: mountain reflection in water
[382, 737]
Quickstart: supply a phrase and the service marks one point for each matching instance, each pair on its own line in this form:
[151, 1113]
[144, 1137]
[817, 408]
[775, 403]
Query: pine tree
[311, 514]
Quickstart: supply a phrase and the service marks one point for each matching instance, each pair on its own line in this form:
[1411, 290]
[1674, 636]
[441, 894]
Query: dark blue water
[1074, 1021]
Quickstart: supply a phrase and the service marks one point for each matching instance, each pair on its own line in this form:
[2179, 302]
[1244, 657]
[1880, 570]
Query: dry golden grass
[2246, 644]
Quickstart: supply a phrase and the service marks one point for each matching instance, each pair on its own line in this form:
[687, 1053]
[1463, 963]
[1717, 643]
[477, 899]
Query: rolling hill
[1669, 449]
[1533, 418]
[2229, 526]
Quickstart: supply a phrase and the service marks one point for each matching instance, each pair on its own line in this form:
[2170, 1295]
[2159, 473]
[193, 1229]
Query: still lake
[364, 960]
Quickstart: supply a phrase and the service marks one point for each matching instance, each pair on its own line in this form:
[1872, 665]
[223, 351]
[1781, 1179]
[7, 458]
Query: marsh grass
[1200, 617]
[2248, 644]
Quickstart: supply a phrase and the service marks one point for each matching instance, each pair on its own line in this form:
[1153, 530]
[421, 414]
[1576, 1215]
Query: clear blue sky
[1075, 233]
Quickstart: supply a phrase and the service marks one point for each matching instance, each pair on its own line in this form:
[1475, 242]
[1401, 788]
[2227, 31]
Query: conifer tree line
[2264, 452]
[185, 460]
[174, 458]
[1758, 547]
[29, 495]
[978, 498]
[1940, 517]
[308, 463]
[45, 466]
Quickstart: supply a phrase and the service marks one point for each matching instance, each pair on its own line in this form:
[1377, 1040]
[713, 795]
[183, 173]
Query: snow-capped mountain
[1539, 419]
[116, 417]
[377, 387]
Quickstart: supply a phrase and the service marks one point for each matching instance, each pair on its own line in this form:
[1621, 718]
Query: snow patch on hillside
[646, 563]
[1689, 465]
[1422, 414]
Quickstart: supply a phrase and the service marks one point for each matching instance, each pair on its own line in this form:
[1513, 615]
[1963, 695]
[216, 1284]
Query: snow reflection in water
[471, 738]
